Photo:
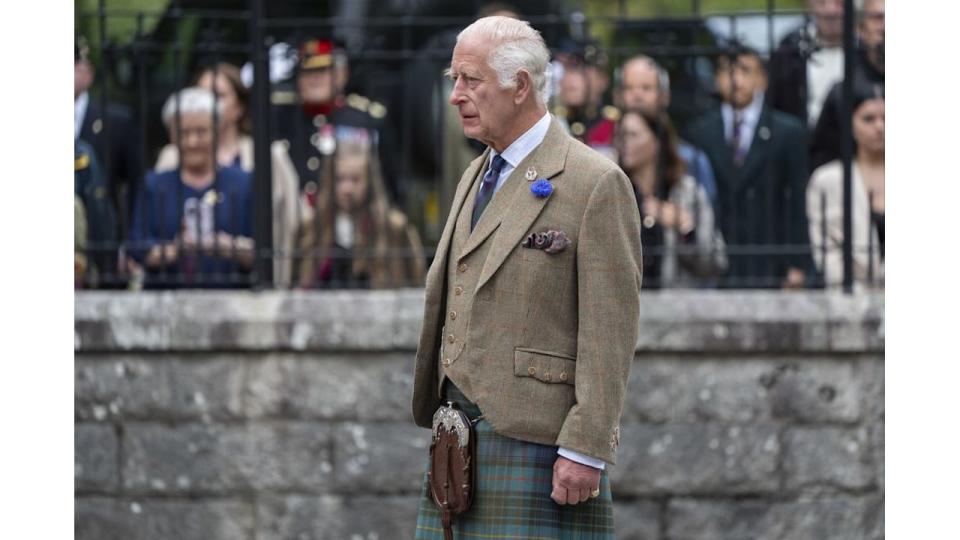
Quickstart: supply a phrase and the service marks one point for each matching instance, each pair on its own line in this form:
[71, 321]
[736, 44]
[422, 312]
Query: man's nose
[456, 96]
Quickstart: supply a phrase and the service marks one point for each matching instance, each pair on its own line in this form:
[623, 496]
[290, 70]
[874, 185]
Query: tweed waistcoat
[462, 279]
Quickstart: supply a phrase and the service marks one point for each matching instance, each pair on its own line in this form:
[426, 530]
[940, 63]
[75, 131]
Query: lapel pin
[764, 132]
[97, 125]
[531, 174]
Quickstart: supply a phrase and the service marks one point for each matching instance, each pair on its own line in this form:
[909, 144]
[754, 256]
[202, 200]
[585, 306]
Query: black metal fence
[395, 61]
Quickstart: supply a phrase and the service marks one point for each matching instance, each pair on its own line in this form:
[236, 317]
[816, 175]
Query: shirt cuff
[582, 459]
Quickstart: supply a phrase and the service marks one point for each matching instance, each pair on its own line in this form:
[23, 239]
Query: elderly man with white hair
[531, 311]
[192, 226]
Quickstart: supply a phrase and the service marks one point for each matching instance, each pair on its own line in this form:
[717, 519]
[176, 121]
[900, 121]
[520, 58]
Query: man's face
[828, 18]
[321, 85]
[874, 22]
[486, 110]
[738, 84]
[641, 87]
[82, 77]
[573, 87]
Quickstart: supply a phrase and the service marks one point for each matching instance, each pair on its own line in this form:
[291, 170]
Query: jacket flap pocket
[544, 366]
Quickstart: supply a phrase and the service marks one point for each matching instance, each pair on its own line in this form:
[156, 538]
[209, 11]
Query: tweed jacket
[541, 342]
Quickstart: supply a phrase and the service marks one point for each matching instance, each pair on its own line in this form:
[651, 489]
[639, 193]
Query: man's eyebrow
[448, 72]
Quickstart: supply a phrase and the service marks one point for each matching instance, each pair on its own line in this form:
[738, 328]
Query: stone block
[841, 518]
[209, 459]
[158, 387]
[690, 389]
[136, 519]
[636, 519]
[748, 389]
[724, 519]
[381, 458]
[95, 451]
[100, 518]
[827, 456]
[336, 518]
[814, 389]
[828, 517]
[697, 458]
[339, 387]
[111, 387]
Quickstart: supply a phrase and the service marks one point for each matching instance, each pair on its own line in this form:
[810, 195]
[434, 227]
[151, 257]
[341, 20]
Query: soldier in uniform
[307, 116]
[580, 103]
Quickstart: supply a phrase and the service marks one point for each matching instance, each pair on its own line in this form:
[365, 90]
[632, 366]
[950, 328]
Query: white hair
[192, 100]
[663, 78]
[515, 46]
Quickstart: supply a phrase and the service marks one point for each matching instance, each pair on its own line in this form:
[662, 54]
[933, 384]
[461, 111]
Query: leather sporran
[452, 472]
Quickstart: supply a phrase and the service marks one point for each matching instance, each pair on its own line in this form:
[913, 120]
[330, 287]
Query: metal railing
[420, 189]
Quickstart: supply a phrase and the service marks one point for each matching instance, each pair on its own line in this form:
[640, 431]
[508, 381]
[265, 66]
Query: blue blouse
[167, 208]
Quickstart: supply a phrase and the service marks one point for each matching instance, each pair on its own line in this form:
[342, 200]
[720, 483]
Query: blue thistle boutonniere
[542, 188]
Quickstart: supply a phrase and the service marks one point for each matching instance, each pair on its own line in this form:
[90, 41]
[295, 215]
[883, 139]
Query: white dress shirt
[513, 155]
[79, 112]
[824, 69]
[750, 116]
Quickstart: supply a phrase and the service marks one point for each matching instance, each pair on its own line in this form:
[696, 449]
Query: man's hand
[573, 482]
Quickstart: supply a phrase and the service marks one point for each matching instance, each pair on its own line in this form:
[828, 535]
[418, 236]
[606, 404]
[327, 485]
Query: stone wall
[246, 416]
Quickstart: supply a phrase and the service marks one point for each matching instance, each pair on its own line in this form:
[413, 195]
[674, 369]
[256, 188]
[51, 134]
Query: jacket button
[563, 376]
[451, 339]
[458, 290]
[446, 361]
[532, 370]
[453, 315]
[462, 267]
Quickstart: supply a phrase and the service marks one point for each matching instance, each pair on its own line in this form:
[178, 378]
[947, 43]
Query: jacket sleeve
[609, 275]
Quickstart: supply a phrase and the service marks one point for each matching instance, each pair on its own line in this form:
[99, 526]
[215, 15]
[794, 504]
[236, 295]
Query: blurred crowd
[748, 195]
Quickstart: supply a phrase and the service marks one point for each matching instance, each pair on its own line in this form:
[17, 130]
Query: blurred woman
[191, 226]
[825, 198]
[682, 246]
[354, 239]
[235, 149]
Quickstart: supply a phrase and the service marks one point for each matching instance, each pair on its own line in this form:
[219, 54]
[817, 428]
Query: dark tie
[485, 193]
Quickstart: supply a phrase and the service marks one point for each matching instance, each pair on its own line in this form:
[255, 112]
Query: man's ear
[524, 87]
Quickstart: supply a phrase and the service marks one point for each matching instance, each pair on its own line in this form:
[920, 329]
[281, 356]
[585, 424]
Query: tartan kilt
[512, 498]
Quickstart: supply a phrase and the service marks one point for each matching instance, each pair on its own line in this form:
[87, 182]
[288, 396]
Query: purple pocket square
[550, 241]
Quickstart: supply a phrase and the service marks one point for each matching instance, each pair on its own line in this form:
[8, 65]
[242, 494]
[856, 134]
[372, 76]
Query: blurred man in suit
[759, 157]
[111, 132]
[531, 311]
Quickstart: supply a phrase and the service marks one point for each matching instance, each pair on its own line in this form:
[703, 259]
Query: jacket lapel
[463, 188]
[518, 211]
[759, 149]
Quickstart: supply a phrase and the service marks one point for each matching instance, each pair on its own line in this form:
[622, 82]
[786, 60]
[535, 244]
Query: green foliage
[598, 10]
[121, 22]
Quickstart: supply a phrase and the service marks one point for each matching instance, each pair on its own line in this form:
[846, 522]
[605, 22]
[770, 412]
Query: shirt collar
[520, 148]
[750, 114]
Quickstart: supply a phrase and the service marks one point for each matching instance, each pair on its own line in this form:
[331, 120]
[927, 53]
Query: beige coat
[827, 181]
[541, 342]
[287, 213]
